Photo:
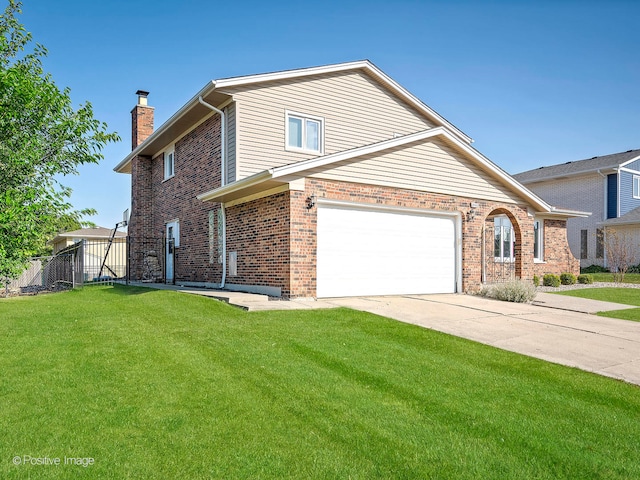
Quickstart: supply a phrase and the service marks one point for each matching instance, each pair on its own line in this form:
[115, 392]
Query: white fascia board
[629, 170]
[286, 74]
[624, 164]
[240, 184]
[211, 85]
[564, 212]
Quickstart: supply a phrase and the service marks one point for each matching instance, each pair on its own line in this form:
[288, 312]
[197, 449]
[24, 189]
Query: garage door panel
[374, 252]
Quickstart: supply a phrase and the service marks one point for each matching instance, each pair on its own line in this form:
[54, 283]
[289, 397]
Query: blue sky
[533, 83]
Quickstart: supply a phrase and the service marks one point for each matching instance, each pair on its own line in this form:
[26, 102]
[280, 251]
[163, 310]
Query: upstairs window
[636, 186]
[304, 133]
[169, 163]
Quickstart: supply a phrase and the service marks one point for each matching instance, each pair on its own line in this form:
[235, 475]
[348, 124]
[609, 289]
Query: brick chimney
[141, 120]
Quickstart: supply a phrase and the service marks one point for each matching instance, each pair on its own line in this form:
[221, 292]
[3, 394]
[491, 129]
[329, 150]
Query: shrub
[513, 291]
[536, 281]
[634, 269]
[594, 269]
[585, 278]
[551, 280]
[567, 278]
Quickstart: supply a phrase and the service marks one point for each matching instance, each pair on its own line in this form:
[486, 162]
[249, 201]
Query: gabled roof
[630, 218]
[605, 164]
[193, 110]
[278, 176]
[89, 233]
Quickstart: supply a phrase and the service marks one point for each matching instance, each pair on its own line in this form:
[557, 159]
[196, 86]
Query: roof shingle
[576, 167]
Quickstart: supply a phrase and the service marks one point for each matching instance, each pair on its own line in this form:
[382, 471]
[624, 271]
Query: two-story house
[608, 186]
[327, 181]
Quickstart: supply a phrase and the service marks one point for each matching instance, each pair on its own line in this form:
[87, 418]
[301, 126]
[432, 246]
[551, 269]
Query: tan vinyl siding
[231, 142]
[431, 166]
[356, 110]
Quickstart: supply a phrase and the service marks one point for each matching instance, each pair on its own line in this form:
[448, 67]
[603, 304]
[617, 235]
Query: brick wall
[275, 237]
[259, 232]
[156, 201]
[558, 257]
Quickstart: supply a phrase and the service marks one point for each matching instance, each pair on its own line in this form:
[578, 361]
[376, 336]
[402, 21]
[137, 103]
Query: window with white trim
[169, 163]
[304, 133]
[636, 186]
[538, 235]
[503, 240]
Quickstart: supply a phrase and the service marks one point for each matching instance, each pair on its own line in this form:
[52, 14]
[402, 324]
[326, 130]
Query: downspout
[223, 182]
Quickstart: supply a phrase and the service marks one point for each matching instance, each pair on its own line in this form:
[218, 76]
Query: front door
[171, 243]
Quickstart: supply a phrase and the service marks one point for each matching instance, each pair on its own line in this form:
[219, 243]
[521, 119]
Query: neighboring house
[327, 181]
[95, 243]
[607, 186]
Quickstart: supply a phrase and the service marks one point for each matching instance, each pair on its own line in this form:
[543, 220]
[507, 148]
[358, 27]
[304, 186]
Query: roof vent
[593, 157]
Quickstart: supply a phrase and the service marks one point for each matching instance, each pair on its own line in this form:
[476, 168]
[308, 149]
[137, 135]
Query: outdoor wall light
[471, 214]
[311, 201]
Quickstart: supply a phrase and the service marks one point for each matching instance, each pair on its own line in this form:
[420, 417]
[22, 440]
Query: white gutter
[223, 180]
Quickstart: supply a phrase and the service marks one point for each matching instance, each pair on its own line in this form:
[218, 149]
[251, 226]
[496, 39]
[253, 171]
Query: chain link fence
[95, 262]
[44, 274]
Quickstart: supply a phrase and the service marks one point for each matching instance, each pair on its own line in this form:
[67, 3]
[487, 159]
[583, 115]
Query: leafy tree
[68, 223]
[42, 137]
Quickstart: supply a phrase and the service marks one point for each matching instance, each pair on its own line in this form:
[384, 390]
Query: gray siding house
[608, 186]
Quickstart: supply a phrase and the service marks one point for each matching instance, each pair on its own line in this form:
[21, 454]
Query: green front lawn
[626, 296]
[156, 384]
[608, 277]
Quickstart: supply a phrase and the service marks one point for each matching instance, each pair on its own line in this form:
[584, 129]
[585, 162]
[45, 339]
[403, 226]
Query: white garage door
[368, 251]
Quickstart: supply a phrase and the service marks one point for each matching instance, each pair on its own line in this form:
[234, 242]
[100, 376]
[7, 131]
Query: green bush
[634, 269]
[567, 278]
[594, 269]
[536, 281]
[514, 291]
[551, 280]
[585, 278]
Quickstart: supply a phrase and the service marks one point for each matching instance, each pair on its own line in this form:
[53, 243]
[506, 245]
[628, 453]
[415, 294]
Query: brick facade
[156, 201]
[558, 257]
[275, 237]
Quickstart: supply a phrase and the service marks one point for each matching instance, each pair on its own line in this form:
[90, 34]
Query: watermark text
[85, 462]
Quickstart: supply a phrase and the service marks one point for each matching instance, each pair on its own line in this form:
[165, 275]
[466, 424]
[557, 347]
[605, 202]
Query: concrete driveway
[561, 334]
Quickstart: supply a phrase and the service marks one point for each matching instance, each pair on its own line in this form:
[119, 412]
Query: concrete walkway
[556, 328]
